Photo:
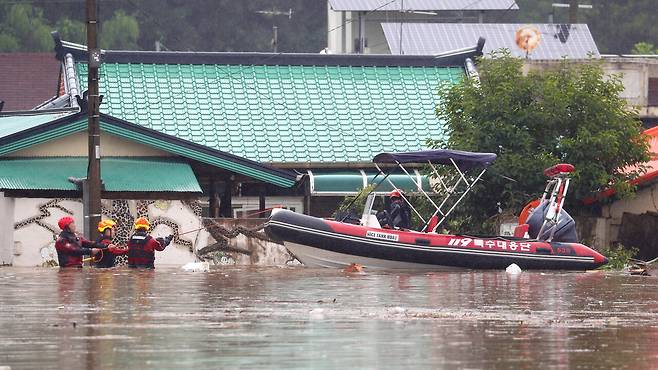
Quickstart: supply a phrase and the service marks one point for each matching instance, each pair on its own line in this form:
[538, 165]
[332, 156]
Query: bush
[618, 256]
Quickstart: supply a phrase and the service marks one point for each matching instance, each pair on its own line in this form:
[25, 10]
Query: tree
[644, 48]
[72, 30]
[571, 114]
[24, 29]
[120, 32]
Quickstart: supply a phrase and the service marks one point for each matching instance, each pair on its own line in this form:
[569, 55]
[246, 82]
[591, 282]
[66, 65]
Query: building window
[653, 92]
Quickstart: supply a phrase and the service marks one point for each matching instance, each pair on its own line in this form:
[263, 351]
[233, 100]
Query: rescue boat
[548, 241]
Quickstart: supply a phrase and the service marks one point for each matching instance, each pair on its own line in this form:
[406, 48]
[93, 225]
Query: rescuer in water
[109, 251]
[142, 246]
[71, 246]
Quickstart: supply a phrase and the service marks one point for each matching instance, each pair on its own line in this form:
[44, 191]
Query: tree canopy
[223, 25]
[571, 114]
[24, 27]
[644, 48]
[201, 25]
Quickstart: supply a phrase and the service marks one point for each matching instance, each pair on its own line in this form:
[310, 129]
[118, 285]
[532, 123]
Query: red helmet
[395, 193]
[64, 222]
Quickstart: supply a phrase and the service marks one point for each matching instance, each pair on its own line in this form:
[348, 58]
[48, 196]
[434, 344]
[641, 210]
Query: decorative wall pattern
[44, 213]
[124, 212]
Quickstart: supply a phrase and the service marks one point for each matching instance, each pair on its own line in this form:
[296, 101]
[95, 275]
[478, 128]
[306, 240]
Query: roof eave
[454, 59]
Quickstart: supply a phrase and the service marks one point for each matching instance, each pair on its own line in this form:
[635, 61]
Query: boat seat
[521, 231]
[432, 224]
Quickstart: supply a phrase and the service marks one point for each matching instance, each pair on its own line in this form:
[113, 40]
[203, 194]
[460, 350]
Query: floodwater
[296, 317]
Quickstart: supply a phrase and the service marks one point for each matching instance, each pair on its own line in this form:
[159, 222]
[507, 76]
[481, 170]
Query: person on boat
[142, 246]
[108, 250]
[397, 216]
[70, 246]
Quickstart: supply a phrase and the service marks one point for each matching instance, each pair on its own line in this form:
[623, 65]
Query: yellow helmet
[142, 223]
[106, 224]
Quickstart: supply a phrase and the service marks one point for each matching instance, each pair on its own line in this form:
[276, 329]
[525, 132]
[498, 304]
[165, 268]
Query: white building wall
[28, 236]
[6, 230]
[76, 145]
[645, 200]
[635, 74]
[36, 227]
[342, 28]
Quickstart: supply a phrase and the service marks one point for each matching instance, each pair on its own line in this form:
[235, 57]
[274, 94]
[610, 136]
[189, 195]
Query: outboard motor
[549, 221]
[564, 232]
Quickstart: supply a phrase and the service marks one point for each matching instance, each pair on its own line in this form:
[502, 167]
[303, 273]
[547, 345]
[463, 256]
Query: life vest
[107, 259]
[140, 253]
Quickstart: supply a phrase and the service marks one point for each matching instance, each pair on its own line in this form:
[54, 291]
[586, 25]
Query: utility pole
[401, 23]
[92, 188]
[275, 39]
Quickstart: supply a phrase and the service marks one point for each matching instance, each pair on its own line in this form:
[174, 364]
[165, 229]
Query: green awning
[119, 174]
[350, 182]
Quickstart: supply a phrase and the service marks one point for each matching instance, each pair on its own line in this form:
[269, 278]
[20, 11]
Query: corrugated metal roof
[557, 40]
[12, 124]
[40, 69]
[281, 113]
[119, 174]
[383, 5]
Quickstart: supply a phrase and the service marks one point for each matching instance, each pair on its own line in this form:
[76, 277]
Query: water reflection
[306, 318]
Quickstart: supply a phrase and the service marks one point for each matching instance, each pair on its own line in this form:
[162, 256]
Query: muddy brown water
[296, 317]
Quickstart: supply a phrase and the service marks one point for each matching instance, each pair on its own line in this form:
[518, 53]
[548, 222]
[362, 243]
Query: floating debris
[354, 267]
[196, 267]
[513, 269]
[639, 267]
[317, 314]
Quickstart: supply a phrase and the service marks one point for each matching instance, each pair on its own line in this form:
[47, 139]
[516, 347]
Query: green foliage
[23, 28]
[618, 257]
[226, 25]
[119, 32]
[218, 25]
[356, 203]
[644, 48]
[572, 114]
[8, 43]
[72, 30]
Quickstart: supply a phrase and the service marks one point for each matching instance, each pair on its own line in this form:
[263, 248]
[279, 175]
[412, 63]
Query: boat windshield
[452, 185]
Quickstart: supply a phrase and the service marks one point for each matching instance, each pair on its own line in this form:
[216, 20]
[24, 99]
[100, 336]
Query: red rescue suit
[70, 249]
[141, 249]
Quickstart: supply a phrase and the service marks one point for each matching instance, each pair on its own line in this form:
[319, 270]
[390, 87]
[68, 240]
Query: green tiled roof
[119, 174]
[29, 133]
[10, 125]
[281, 113]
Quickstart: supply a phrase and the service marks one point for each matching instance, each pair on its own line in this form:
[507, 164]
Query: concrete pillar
[226, 206]
[213, 201]
[6, 229]
[261, 199]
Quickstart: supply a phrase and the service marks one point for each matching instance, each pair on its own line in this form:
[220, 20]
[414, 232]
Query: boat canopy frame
[463, 162]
